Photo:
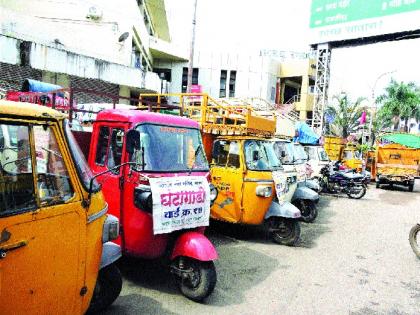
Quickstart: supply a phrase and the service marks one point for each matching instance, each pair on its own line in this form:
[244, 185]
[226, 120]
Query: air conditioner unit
[94, 13]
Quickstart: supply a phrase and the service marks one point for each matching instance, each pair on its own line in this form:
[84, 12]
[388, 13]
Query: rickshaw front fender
[194, 245]
[311, 184]
[306, 194]
[285, 210]
[111, 252]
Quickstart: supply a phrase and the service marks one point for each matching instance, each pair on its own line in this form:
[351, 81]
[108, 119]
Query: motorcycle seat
[351, 175]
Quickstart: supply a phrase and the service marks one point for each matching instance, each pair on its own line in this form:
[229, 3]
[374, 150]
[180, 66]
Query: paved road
[355, 259]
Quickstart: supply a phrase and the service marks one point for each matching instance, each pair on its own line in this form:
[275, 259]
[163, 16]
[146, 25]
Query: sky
[249, 25]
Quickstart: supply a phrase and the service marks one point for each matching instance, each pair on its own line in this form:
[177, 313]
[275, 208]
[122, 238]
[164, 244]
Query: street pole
[373, 105]
[190, 64]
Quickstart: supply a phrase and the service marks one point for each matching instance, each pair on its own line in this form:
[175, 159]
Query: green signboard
[329, 12]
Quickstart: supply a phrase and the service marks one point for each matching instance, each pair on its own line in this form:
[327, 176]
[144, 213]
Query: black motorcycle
[334, 181]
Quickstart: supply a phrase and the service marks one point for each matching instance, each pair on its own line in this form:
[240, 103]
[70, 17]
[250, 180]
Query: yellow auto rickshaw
[352, 158]
[54, 233]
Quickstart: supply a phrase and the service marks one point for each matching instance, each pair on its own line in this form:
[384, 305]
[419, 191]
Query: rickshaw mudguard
[194, 245]
[111, 252]
[311, 184]
[285, 210]
[305, 193]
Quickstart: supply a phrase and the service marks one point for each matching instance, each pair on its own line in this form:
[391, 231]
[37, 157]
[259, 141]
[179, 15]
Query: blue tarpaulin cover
[30, 85]
[305, 134]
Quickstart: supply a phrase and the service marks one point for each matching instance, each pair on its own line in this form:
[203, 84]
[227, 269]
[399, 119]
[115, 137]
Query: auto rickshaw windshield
[286, 157]
[82, 166]
[169, 149]
[260, 156]
[322, 155]
[299, 153]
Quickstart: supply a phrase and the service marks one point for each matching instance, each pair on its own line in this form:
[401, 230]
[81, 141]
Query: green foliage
[364, 147]
[400, 101]
[346, 115]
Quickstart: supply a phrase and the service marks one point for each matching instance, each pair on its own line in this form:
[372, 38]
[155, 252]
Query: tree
[401, 101]
[344, 115]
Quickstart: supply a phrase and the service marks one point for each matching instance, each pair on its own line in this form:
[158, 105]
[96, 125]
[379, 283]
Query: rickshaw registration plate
[181, 202]
[281, 185]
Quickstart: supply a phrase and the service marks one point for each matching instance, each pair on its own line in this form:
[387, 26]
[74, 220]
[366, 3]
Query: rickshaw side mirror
[133, 141]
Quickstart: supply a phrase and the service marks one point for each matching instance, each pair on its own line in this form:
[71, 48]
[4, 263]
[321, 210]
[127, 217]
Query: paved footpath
[355, 259]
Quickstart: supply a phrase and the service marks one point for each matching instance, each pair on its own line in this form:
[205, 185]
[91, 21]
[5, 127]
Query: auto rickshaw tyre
[410, 187]
[320, 185]
[207, 280]
[413, 239]
[107, 289]
[292, 237]
[353, 196]
[308, 210]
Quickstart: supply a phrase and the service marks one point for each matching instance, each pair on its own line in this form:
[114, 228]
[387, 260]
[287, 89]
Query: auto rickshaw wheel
[410, 187]
[308, 210]
[284, 231]
[199, 280]
[412, 237]
[108, 287]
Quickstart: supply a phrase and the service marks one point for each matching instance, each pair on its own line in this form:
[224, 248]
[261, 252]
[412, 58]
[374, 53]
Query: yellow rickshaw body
[51, 251]
[350, 159]
[237, 201]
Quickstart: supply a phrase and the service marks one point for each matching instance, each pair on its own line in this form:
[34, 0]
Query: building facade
[94, 44]
[222, 75]
[297, 80]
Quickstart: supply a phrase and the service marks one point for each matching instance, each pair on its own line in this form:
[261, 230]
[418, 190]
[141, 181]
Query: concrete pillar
[124, 91]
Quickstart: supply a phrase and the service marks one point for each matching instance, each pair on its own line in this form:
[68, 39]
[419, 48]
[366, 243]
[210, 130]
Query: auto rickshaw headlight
[111, 229]
[213, 193]
[143, 198]
[264, 191]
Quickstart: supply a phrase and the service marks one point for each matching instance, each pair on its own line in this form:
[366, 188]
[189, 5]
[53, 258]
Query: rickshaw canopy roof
[405, 139]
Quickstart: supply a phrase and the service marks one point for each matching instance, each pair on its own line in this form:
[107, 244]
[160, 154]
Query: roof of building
[12, 108]
[158, 17]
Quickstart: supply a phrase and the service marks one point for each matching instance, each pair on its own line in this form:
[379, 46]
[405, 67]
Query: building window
[309, 114]
[164, 74]
[223, 78]
[185, 78]
[232, 82]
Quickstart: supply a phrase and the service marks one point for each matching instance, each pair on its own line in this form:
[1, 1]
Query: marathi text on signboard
[180, 203]
[336, 20]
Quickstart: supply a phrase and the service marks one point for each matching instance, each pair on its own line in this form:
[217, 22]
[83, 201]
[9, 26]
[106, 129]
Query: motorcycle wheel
[201, 283]
[107, 289]
[413, 239]
[308, 210]
[357, 195]
[284, 231]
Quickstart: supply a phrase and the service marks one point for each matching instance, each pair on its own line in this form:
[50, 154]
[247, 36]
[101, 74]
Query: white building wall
[255, 76]
[59, 61]
[69, 25]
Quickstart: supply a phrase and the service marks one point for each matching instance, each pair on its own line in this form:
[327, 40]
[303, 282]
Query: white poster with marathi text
[181, 202]
[281, 185]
